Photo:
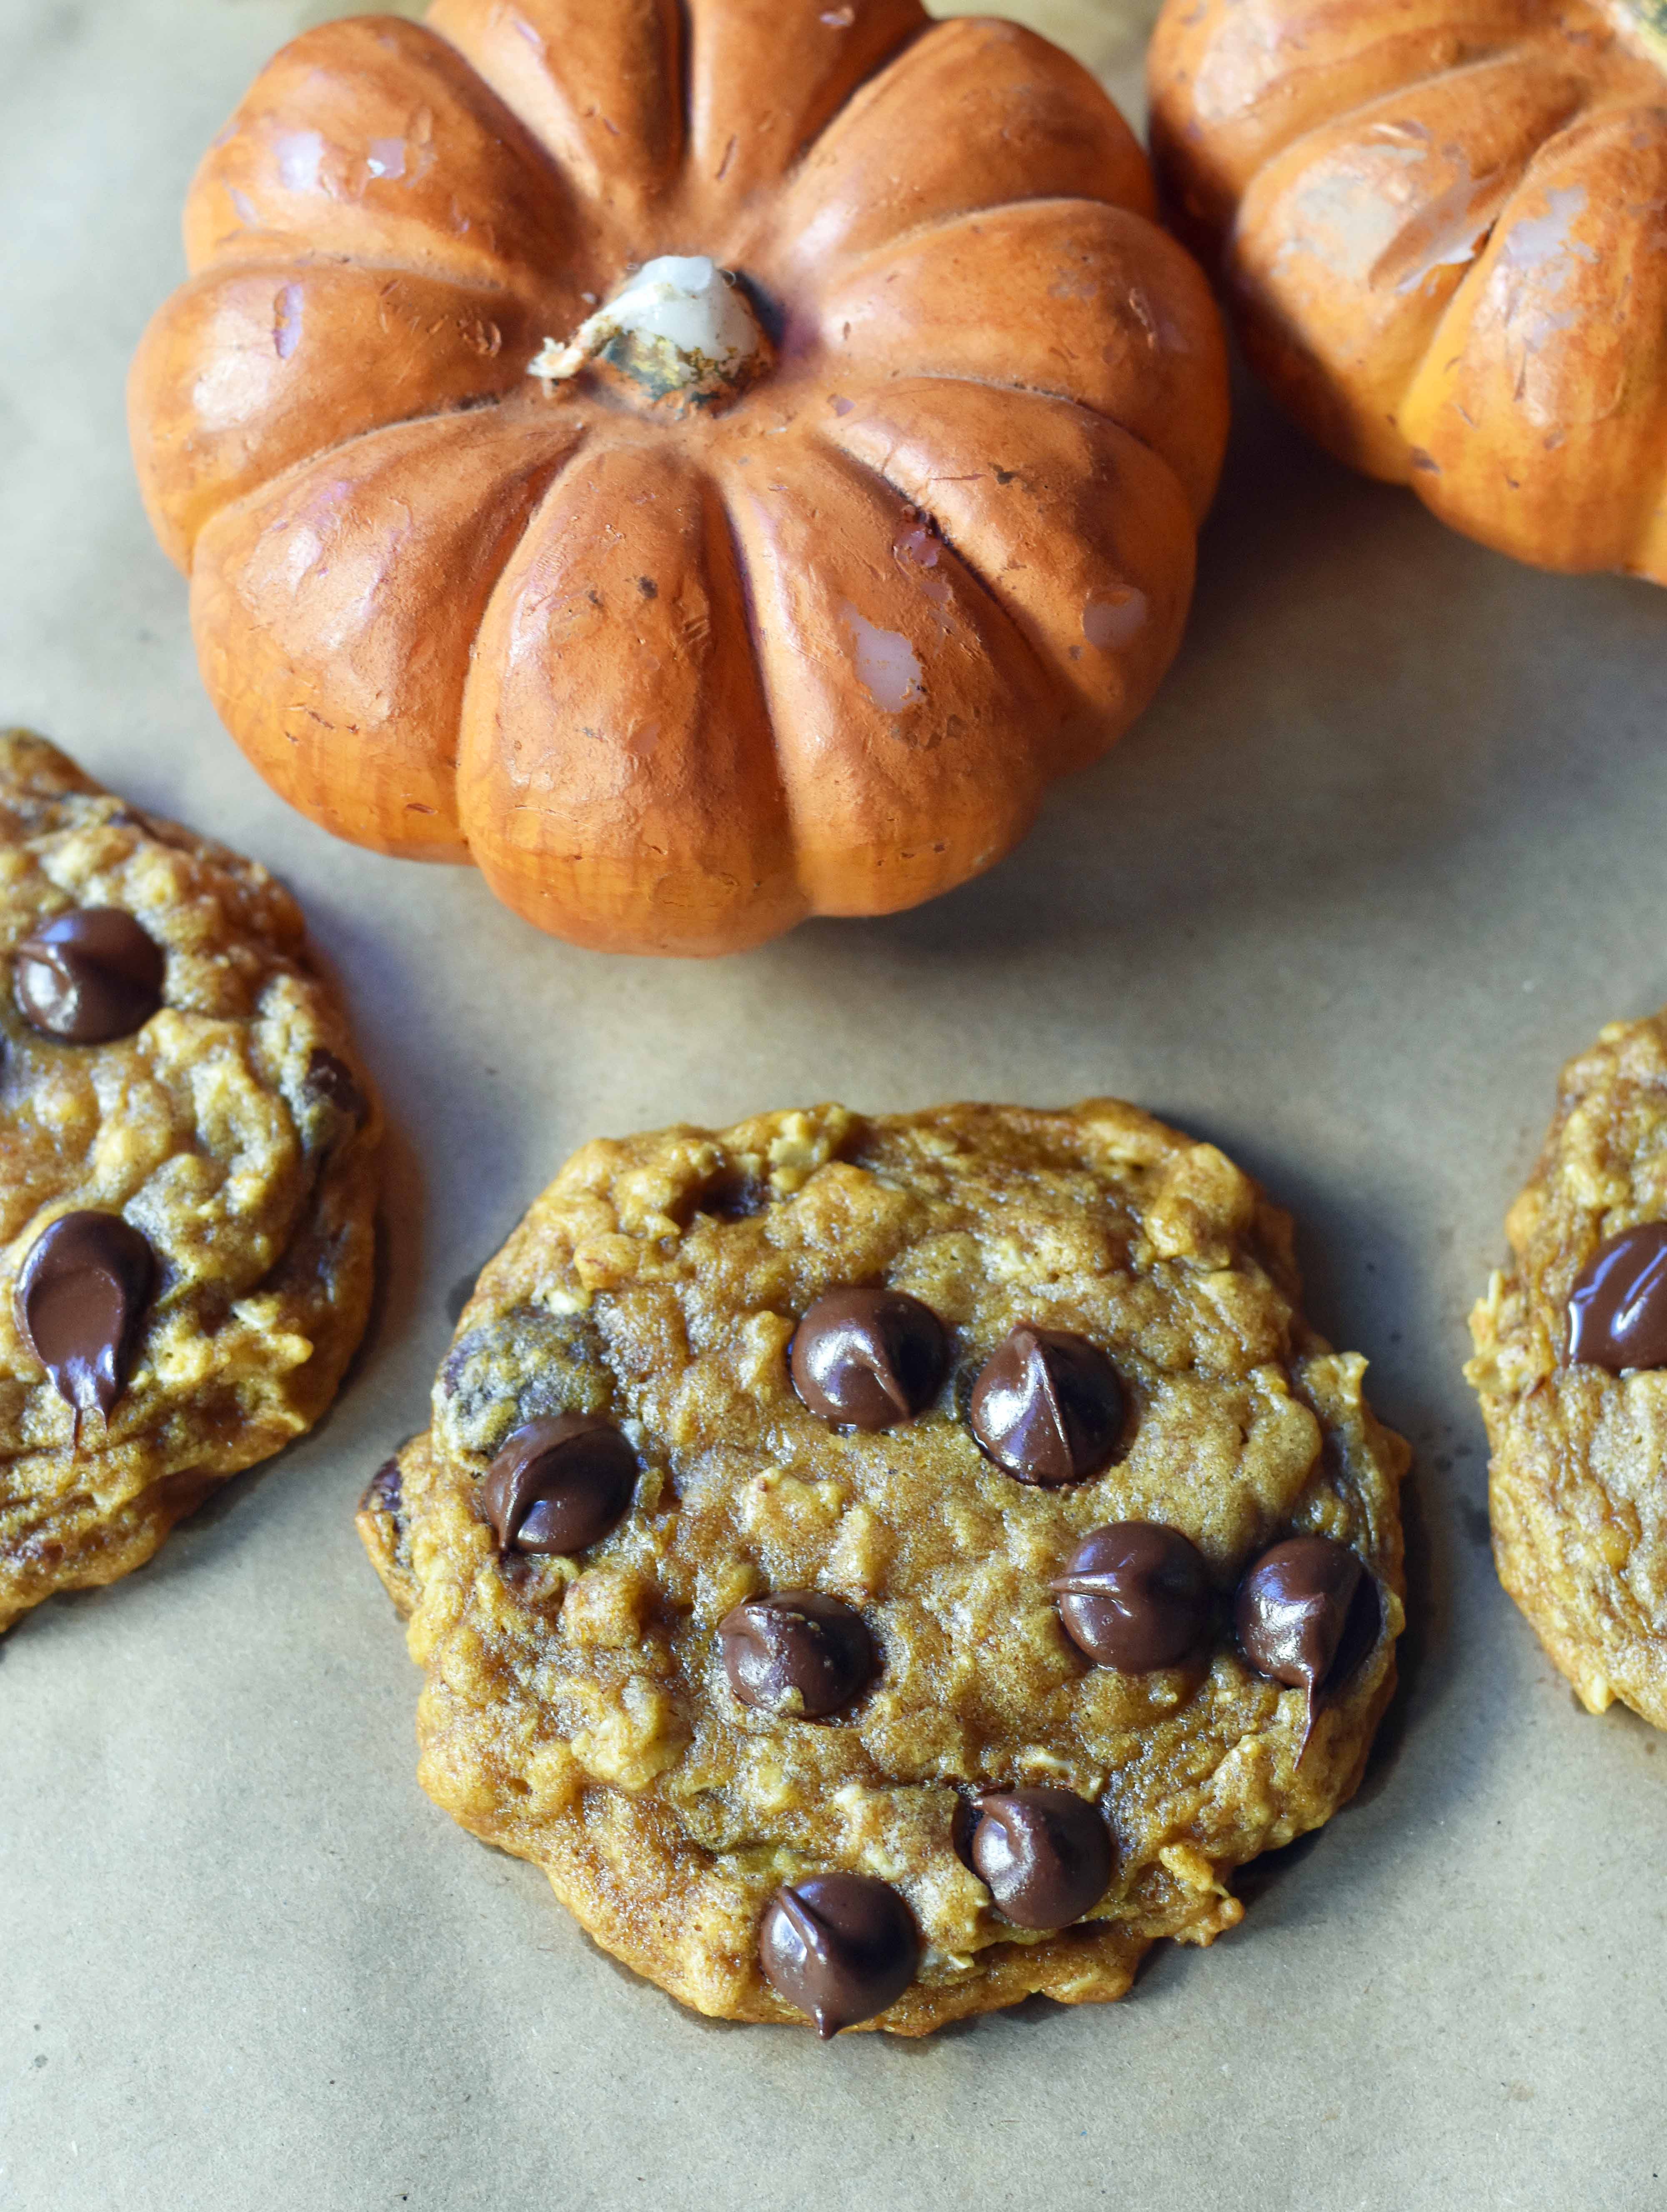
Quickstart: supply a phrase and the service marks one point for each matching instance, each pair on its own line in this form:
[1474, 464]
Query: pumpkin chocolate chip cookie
[187, 1175]
[1570, 1367]
[882, 1568]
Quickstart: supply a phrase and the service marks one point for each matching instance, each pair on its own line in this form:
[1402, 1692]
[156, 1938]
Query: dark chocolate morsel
[1047, 1406]
[1292, 1610]
[80, 1299]
[1617, 1310]
[559, 1485]
[382, 1491]
[89, 975]
[796, 1653]
[840, 1947]
[868, 1359]
[332, 1080]
[1044, 1855]
[1136, 1595]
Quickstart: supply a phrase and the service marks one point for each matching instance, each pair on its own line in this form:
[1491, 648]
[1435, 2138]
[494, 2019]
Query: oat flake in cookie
[187, 1174]
[839, 1716]
[1570, 1367]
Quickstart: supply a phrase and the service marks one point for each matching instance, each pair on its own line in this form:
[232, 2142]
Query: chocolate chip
[1292, 1610]
[80, 1299]
[1617, 1310]
[1136, 1595]
[796, 1653]
[89, 976]
[1044, 1855]
[559, 1485]
[1047, 1406]
[840, 1947]
[868, 1359]
[382, 1491]
[334, 1082]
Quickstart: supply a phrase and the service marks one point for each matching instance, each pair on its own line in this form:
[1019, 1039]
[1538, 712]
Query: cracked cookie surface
[229, 1129]
[1575, 1494]
[577, 1711]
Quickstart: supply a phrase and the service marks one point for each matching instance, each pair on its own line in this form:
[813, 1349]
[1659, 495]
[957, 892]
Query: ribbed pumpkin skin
[1440, 228]
[674, 682]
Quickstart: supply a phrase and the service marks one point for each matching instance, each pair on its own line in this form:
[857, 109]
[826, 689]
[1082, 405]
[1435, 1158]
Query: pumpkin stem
[681, 329]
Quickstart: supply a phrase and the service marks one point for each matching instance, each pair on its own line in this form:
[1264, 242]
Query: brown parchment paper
[1392, 841]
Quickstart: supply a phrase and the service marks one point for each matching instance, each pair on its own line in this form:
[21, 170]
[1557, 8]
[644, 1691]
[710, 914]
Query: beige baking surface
[1392, 842]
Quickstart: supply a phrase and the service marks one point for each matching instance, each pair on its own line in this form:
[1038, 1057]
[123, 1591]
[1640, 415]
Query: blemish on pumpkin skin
[916, 551]
[887, 667]
[286, 321]
[299, 160]
[1112, 619]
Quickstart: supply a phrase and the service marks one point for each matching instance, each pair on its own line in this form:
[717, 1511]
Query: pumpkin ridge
[1054, 399]
[1328, 123]
[719, 507]
[227, 632]
[470, 99]
[1112, 605]
[1632, 469]
[985, 631]
[688, 827]
[1461, 307]
[470, 26]
[914, 512]
[705, 25]
[187, 462]
[279, 478]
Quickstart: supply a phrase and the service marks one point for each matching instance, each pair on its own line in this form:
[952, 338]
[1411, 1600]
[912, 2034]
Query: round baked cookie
[187, 1176]
[1570, 1367]
[807, 1720]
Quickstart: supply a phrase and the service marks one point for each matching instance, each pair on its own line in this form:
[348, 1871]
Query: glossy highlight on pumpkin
[678, 660]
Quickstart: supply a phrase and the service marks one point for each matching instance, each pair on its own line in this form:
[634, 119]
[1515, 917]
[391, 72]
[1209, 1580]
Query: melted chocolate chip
[1044, 1855]
[80, 1299]
[840, 1947]
[89, 976]
[796, 1653]
[1617, 1310]
[559, 1485]
[334, 1082]
[868, 1359]
[1047, 1406]
[382, 1491]
[1136, 1595]
[1292, 1610]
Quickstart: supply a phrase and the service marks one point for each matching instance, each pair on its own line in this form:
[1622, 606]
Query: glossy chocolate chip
[1293, 1608]
[868, 1359]
[1136, 1595]
[1047, 1406]
[80, 1299]
[332, 1080]
[89, 976]
[1044, 1855]
[559, 1485]
[1617, 1310]
[796, 1653]
[840, 1947]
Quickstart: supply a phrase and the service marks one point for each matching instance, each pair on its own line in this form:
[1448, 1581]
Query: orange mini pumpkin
[705, 461]
[1440, 226]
